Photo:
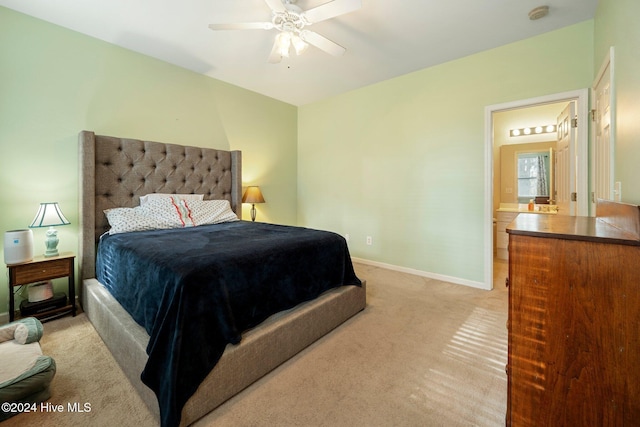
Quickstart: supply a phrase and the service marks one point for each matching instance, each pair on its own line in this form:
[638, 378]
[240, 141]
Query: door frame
[581, 97]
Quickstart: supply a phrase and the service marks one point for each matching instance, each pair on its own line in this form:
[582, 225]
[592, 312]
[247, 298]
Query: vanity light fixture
[533, 130]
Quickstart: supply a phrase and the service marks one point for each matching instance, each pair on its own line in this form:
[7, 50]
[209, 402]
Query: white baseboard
[450, 279]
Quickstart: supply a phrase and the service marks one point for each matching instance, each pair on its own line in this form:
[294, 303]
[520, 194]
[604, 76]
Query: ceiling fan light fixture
[290, 21]
[299, 45]
[283, 41]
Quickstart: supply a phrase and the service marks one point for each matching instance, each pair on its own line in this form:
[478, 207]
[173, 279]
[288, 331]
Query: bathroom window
[533, 176]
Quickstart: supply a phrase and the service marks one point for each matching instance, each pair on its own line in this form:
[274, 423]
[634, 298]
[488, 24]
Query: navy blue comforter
[197, 289]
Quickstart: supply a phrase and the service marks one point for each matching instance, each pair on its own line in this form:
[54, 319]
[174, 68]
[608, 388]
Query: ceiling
[384, 38]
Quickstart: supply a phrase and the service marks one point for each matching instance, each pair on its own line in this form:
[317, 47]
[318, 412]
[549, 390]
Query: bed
[114, 173]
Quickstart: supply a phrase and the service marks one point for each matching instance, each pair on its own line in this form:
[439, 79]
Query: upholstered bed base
[261, 350]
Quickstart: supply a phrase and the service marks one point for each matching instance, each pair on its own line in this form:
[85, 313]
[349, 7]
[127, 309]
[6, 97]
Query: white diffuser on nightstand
[18, 246]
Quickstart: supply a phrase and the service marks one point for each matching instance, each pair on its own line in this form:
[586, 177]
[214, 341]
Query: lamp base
[51, 252]
[253, 212]
[51, 243]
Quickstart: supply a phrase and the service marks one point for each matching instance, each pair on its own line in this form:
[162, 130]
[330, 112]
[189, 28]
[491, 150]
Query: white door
[603, 139]
[566, 162]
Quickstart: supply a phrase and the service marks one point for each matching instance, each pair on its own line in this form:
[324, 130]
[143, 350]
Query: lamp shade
[252, 195]
[49, 215]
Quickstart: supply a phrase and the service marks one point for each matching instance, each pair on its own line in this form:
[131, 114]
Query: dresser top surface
[571, 228]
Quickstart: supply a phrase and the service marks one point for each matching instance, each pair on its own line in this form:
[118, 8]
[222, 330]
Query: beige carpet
[423, 353]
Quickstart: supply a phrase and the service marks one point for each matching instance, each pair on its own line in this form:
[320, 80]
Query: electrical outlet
[369, 241]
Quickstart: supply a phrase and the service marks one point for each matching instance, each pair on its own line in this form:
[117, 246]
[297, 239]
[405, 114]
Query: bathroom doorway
[581, 99]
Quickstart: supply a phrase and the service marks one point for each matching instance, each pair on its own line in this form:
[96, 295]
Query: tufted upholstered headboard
[115, 172]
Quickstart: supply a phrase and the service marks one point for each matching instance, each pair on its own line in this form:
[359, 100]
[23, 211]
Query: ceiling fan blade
[331, 10]
[321, 42]
[276, 5]
[274, 56]
[244, 26]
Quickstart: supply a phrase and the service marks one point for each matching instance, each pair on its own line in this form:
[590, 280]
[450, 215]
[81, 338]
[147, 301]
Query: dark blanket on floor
[197, 289]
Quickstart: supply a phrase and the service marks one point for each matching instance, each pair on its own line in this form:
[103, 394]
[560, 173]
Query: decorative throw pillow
[155, 196]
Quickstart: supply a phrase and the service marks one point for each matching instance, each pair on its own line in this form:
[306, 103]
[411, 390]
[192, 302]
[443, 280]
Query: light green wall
[55, 83]
[616, 24]
[403, 160]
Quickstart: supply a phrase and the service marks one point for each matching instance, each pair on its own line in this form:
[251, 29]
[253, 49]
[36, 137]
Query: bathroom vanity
[505, 215]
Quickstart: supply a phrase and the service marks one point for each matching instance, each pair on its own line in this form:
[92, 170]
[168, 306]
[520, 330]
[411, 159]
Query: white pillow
[169, 212]
[155, 196]
[156, 214]
[203, 212]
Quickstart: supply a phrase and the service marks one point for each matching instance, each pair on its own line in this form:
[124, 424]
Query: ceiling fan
[292, 21]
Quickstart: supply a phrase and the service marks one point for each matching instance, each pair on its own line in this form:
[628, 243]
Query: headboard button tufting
[129, 168]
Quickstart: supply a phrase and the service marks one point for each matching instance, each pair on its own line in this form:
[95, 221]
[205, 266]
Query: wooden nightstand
[43, 268]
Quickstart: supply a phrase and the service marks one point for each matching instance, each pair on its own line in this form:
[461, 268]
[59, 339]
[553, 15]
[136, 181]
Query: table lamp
[50, 215]
[253, 195]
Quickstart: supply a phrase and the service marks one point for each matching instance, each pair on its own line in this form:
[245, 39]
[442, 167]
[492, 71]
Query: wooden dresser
[574, 319]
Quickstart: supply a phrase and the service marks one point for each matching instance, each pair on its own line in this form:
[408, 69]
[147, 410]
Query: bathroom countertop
[523, 208]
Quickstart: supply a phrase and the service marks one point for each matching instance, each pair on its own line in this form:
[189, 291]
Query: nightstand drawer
[30, 273]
